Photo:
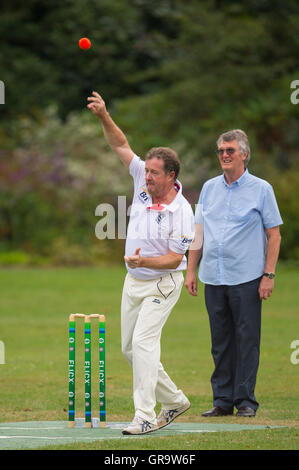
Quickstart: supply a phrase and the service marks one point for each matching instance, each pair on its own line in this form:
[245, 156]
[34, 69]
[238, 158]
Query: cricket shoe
[166, 416]
[139, 426]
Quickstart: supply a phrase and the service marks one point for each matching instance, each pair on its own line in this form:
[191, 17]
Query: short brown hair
[169, 156]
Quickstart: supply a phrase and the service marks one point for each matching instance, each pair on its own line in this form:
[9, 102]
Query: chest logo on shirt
[160, 217]
[143, 196]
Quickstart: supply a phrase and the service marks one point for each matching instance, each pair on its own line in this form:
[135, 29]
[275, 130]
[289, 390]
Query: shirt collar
[239, 181]
[174, 205]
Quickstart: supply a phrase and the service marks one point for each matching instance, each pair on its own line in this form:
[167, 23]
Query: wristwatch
[269, 275]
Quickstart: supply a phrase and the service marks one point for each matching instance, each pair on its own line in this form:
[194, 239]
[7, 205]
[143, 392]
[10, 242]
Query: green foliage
[43, 64]
[228, 67]
[52, 183]
[172, 73]
[14, 258]
[286, 185]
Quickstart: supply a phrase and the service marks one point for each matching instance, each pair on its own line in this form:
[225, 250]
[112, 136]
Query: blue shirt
[234, 220]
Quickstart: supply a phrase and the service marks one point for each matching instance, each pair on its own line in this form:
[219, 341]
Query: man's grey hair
[242, 139]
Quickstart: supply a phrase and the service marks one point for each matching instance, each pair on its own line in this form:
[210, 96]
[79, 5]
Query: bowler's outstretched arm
[113, 134]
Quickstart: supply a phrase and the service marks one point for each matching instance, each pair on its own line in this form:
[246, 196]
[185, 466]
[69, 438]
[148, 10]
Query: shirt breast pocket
[244, 211]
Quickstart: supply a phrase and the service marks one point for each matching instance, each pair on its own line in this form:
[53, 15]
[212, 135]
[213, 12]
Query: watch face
[269, 275]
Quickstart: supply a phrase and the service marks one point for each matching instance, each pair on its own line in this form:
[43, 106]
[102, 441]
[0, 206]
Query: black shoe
[217, 411]
[245, 411]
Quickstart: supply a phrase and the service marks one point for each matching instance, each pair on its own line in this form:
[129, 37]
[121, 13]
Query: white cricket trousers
[145, 307]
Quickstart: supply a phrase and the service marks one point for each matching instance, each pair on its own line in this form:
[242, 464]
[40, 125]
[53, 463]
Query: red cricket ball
[84, 43]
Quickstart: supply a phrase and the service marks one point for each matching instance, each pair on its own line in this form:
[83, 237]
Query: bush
[52, 181]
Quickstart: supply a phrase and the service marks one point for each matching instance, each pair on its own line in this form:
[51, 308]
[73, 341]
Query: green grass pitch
[34, 309]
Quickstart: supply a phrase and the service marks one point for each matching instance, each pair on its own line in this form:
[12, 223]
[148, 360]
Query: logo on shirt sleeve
[143, 196]
[185, 241]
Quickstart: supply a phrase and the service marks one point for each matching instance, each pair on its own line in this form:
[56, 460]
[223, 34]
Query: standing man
[237, 235]
[160, 230]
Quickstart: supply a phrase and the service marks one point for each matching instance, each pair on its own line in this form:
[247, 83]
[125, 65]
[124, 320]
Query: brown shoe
[217, 411]
[245, 411]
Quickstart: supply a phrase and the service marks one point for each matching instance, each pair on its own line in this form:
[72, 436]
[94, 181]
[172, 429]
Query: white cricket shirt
[157, 231]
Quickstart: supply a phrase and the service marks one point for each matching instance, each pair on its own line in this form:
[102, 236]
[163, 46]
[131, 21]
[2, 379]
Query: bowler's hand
[133, 261]
[266, 287]
[97, 104]
[191, 283]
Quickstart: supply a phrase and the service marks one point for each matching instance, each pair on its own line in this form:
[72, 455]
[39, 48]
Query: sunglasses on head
[229, 151]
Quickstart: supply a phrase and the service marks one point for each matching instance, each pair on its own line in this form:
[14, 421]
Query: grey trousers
[235, 322]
